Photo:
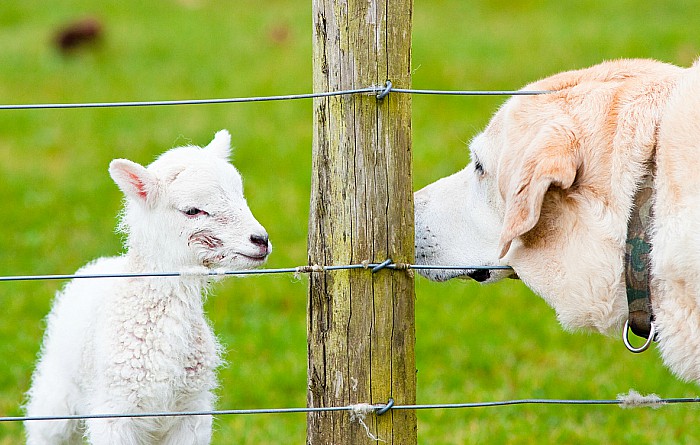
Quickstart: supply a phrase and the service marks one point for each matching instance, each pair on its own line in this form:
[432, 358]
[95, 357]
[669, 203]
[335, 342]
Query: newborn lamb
[135, 345]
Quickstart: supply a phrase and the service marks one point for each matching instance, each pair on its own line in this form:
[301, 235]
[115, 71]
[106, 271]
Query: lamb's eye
[194, 211]
[478, 168]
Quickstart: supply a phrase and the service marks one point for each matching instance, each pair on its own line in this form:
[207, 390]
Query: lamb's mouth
[255, 258]
[217, 260]
[258, 257]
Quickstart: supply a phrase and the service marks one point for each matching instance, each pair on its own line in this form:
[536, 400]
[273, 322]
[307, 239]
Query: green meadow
[474, 343]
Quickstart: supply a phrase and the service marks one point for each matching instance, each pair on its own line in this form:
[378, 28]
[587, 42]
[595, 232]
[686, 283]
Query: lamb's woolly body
[129, 345]
[162, 357]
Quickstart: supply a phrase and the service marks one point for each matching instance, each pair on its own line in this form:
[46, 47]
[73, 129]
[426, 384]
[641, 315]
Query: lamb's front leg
[122, 431]
[194, 430]
[117, 430]
[52, 394]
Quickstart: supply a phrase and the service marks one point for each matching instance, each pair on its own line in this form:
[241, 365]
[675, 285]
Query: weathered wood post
[361, 331]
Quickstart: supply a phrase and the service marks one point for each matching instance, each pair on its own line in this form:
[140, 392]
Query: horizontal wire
[188, 102]
[378, 407]
[448, 267]
[472, 92]
[295, 270]
[372, 89]
[228, 412]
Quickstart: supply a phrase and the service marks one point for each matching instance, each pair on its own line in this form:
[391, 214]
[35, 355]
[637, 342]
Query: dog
[550, 190]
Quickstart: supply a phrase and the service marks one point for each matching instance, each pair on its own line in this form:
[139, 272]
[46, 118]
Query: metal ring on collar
[645, 346]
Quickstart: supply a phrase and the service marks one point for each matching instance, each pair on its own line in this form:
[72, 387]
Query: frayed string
[633, 399]
[307, 269]
[358, 413]
[404, 266]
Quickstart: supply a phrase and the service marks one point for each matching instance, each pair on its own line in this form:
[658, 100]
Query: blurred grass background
[473, 343]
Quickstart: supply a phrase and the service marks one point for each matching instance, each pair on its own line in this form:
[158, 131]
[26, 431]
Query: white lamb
[134, 345]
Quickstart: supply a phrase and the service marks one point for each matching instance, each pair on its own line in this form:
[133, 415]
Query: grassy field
[473, 343]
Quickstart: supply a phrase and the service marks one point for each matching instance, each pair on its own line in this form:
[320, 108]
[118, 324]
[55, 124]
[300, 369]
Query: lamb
[130, 345]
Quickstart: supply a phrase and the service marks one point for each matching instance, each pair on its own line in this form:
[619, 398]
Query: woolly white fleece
[130, 345]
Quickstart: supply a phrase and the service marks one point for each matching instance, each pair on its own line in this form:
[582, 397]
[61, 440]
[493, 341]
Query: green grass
[473, 343]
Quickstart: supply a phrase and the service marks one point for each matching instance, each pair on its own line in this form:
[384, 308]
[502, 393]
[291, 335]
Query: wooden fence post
[361, 331]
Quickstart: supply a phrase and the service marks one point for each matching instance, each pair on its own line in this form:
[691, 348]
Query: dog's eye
[194, 211]
[478, 168]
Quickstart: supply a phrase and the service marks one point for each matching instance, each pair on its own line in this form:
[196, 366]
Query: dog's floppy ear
[549, 160]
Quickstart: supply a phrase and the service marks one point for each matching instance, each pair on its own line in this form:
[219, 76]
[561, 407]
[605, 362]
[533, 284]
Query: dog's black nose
[479, 275]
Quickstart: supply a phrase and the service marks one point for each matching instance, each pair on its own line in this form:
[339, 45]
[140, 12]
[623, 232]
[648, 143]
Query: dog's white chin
[441, 275]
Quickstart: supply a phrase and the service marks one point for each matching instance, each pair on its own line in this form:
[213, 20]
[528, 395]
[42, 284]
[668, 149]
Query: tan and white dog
[550, 188]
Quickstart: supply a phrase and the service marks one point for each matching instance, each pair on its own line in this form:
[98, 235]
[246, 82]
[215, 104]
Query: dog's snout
[479, 275]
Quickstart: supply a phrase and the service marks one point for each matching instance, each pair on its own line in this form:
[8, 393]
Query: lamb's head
[187, 209]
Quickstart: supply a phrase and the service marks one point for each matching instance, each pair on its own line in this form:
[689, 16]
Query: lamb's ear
[220, 145]
[133, 179]
[549, 160]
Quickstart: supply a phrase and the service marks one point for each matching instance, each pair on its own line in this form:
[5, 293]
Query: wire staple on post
[385, 408]
[381, 266]
[386, 91]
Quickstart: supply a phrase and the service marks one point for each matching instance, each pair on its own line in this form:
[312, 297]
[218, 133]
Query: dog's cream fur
[549, 191]
[134, 345]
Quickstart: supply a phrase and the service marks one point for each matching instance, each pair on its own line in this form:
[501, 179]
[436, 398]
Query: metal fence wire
[379, 91]
[358, 411]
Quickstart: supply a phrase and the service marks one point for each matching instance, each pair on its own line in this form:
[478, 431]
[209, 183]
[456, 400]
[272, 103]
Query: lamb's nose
[260, 240]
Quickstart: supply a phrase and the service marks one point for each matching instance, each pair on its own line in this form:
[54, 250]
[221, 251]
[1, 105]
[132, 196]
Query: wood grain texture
[361, 332]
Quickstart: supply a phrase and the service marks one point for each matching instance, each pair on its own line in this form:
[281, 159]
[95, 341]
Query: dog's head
[549, 188]
[473, 216]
